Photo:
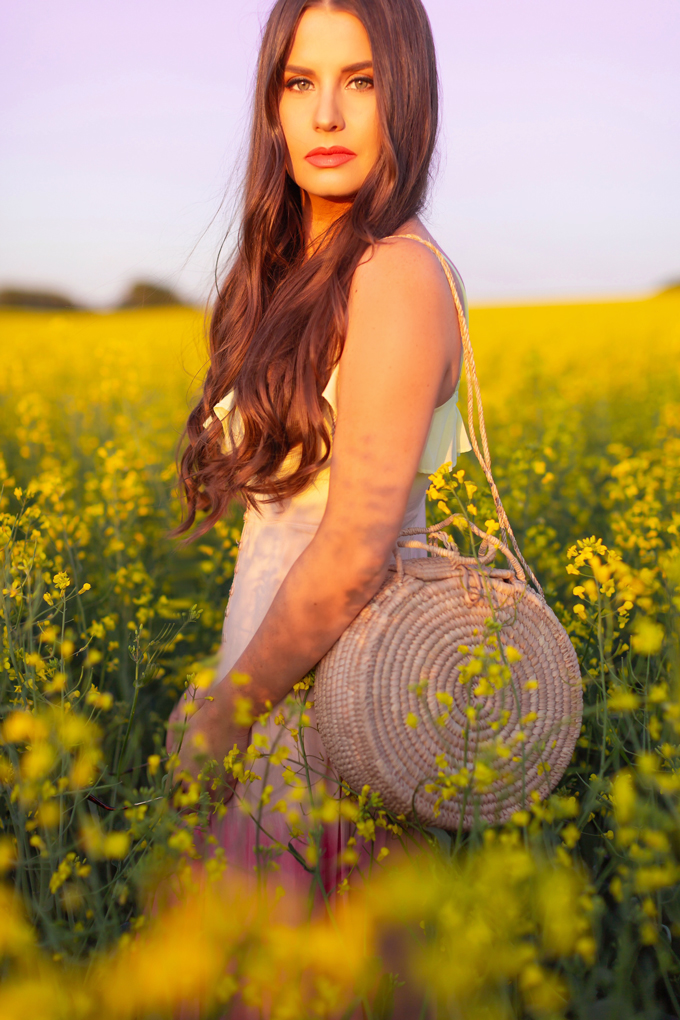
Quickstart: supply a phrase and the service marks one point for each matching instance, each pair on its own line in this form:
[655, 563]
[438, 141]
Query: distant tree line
[141, 294]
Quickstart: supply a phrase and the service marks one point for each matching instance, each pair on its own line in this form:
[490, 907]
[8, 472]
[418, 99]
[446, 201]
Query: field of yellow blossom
[111, 903]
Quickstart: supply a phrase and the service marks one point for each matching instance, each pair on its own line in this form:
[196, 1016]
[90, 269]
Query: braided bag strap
[474, 403]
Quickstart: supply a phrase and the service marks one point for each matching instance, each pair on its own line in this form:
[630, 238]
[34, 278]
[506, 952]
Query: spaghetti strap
[474, 400]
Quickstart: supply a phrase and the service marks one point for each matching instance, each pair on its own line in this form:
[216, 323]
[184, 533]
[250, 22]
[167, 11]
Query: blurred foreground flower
[465, 936]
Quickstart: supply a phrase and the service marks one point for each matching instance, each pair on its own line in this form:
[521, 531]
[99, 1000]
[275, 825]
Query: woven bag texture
[411, 631]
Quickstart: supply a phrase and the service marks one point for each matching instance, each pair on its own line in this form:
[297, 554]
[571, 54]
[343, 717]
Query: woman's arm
[401, 344]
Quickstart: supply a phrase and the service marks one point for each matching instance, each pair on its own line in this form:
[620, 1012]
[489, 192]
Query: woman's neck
[318, 215]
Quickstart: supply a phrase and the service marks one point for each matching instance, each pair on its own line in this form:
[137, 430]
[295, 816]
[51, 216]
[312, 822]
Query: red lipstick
[335, 156]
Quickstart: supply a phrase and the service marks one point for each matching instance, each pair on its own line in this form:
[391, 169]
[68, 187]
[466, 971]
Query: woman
[335, 356]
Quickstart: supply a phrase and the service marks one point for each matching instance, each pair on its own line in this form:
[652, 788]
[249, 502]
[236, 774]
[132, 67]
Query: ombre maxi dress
[273, 537]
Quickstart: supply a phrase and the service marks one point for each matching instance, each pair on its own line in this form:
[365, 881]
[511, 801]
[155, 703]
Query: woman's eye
[362, 84]
[299, 85]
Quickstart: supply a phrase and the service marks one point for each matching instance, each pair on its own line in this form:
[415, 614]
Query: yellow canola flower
[570, 836]
[203, 678]
[243, 712]
[656, 840]
[61, 581]
[116, 845]
[85, 767]
[484, 776]
[624, 797]
[57, 684]
[48, 814]
[22, 727]
[562, 922]
[241, 679]
[16, 934]
[98, 844]
[544, 991]
[37, 761]
[648, 763]
[67, 649]
[621, 700]
[63, 872]
[100, 699]
[651, 879]
[648, 636]
[658, 693]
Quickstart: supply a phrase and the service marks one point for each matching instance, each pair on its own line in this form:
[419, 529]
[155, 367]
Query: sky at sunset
[122, 126]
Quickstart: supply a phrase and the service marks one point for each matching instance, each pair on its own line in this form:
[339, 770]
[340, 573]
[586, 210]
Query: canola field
[111, 904]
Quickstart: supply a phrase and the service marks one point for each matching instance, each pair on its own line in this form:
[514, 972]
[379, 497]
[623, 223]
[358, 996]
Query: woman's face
[328, 106]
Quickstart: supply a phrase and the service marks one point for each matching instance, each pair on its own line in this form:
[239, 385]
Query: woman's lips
[335, 156]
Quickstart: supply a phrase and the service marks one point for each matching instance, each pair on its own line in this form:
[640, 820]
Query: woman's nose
[328, 114]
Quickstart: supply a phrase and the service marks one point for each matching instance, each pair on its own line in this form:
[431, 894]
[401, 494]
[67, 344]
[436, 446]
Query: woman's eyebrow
[361, 65]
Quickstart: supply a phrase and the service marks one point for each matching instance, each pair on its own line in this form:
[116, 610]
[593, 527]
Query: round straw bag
[421, 698]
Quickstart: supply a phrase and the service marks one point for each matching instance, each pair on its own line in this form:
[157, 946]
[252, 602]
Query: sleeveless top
[445, 440]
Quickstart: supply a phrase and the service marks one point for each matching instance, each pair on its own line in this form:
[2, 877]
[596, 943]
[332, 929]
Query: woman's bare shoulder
[397, 275]
[400, 296]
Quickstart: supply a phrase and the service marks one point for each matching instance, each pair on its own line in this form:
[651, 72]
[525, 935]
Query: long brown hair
[278, 323]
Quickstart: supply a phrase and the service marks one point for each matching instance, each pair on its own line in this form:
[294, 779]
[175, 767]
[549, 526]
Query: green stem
[133, 709]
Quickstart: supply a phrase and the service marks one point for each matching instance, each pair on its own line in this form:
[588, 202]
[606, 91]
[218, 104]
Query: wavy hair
[278, 323]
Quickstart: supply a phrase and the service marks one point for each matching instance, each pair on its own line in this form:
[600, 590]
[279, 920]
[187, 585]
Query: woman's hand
[201, 727]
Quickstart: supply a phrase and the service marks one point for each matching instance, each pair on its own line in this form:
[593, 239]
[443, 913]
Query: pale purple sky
[121, 123]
